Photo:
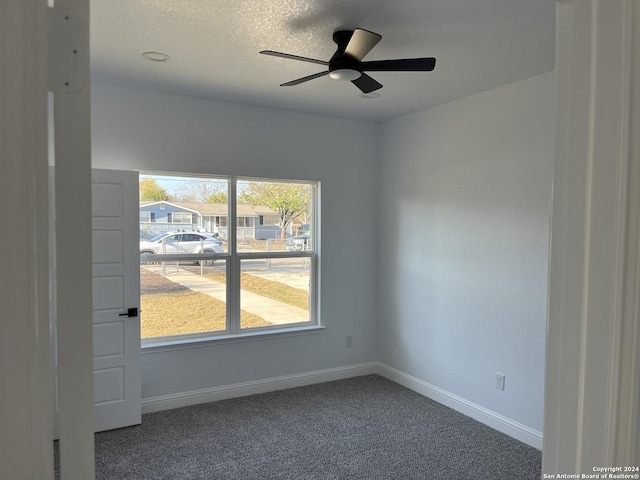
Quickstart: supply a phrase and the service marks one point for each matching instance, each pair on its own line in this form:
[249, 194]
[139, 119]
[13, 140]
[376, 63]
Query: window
[147, 217]
[181, 217]
[228, 281]
[245, 221]
[269, 219]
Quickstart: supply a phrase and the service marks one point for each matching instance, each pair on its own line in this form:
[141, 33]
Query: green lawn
[168, 308]
[281, 292]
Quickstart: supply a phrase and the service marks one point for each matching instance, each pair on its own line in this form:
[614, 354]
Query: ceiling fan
[347, 65]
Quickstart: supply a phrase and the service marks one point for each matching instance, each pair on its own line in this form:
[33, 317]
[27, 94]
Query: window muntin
[252, 264]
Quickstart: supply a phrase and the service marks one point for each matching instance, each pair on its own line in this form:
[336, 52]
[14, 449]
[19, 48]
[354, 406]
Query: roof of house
[218, 209]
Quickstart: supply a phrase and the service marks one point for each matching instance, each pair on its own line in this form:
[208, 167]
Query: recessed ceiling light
[156, 56]
[371, 95]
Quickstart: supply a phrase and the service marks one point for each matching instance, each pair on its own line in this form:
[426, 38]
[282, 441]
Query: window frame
[233, 259]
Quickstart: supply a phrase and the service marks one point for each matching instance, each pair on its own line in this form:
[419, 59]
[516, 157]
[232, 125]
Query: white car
[182, 242]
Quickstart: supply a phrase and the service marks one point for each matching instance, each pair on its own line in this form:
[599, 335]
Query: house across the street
[254, 222]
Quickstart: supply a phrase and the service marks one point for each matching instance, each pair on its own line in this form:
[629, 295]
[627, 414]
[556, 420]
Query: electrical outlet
[349, 342]
[500, 381]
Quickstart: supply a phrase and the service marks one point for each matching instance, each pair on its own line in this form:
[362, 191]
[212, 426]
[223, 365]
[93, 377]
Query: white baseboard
[494, 420]
[194, 397]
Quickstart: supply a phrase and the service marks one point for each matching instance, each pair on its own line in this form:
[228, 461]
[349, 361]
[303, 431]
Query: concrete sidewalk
[272, 311]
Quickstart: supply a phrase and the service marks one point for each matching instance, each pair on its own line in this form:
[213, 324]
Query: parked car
[299, 243]
[182, 242]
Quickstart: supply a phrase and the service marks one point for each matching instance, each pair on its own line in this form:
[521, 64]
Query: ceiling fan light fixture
[345, 74]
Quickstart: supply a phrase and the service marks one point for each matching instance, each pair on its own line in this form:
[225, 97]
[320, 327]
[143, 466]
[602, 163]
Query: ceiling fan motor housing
[343, 66]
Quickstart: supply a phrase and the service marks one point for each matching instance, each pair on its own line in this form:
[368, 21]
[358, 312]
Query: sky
[179, 185]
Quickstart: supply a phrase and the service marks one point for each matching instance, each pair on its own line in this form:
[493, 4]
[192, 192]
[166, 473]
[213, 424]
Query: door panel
[108, 247]
[116, 288]
[109, 386]
[108, 339]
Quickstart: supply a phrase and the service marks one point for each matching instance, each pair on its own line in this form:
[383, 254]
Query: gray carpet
[360, 428]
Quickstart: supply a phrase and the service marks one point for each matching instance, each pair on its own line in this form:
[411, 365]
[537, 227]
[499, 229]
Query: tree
[288, 200]
[200, 190]
[218, 197]
[151, 191]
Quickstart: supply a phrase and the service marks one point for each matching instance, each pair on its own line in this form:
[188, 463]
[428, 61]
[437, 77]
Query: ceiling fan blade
[402, 65]
[293, 57]
[361, 43]
[304, 79]
[366, 83]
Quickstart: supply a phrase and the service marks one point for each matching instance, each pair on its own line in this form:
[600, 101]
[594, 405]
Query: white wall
[25, 370]
[143, 130]
[465, 197]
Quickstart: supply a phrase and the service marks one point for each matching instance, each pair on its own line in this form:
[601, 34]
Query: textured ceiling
[214, 45]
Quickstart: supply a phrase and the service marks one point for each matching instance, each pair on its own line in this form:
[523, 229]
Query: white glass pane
[177, 298]
[274, 291]
[171, 204]
[274, 216]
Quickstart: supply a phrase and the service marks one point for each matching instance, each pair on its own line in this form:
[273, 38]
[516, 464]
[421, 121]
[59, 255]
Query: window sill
[151, 346]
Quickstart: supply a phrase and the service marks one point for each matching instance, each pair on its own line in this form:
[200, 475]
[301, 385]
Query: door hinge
[68, 51]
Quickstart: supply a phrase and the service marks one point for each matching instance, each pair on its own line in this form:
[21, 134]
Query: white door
[116, 299]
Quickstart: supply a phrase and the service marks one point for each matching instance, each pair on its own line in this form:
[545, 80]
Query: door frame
[70, 83]
[593, 333]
